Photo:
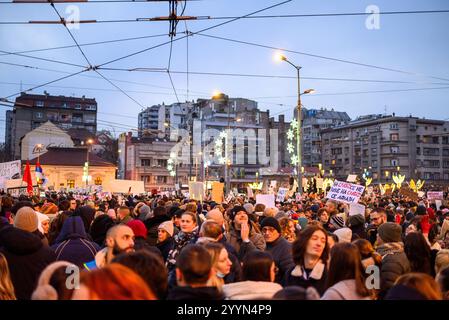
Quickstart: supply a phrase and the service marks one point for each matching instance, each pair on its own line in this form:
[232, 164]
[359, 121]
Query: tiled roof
[71, 157]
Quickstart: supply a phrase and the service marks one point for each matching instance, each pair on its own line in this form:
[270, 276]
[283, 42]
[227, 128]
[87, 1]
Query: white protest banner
[266, 199]
[355, 208]
[352, 178]
[273, 184]
[2, 182]
[421, 194]
[230, 197]
[438, 204]
[435, 195]
[196, 190]
[9, 170]
[282, 192]
[345, 192]
[370, 190]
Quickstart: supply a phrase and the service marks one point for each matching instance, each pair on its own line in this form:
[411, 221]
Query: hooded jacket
[27, 257]
[87, 214]
[73, 244]
[198, 293]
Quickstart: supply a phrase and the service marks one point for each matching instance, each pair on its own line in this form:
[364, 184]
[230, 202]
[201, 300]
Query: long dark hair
[299, 246]
[418, 253]
[345, 264]
[257, 266]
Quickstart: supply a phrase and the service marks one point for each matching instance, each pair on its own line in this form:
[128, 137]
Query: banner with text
[345, 192]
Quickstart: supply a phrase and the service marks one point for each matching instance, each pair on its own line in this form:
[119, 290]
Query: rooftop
[71, 157]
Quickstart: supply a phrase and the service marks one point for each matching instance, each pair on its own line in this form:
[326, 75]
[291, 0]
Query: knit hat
[271, 222]
[26, 219]
[138, 227]
[344, 235]
[235, 210]
[337, 221]
[44, 290]
[390, 232]
[144, 211]
[315, 208]
[356, 220]
[421, 210]
[249, 208]
[167, 226]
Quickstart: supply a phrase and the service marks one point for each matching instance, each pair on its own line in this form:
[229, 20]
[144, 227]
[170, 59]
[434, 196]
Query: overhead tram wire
[86, 44]
[91, 2]
[190, 34]
[44, 59]
[321, 57]
[279, 16]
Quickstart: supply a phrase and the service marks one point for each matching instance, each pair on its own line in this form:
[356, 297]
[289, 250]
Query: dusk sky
[417, 44]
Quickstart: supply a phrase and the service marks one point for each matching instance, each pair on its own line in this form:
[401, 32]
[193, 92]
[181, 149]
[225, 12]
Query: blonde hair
[441, 260]
[214, 249]
[6, 287]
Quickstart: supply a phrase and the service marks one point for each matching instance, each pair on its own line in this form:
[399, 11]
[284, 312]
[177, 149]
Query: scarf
[181, 239]
[390, 248]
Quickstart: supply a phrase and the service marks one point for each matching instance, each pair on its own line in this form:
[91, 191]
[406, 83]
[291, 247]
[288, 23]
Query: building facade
[32, 110]
[387, 145]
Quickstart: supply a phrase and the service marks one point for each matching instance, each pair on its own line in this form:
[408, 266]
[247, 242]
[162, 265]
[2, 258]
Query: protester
[415, 286]
[152, 224]
[346, 277]
[443, 281]
[394, 260]
[99, 229]
[243, 234]
[113, 282]
[73, 244]
[310, 255]
[378, 217]
[288, 229]
[259, 272]
[418, 253]
[53, 282]
[119, 238]
[279, 248]
[368, 255]
[149, 267]
[193, 271]
[221, 264]
[165, 240]
[6, 286]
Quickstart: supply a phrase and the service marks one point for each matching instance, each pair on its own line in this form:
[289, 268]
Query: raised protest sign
[250, 192]
[266, 199]
[345, 192]
[217, 192]
[355, 208]
[319, 183]
[282, 192]
[435, 195]
[196, 190]
[409, 193]
[351, 178]
[9, 170]
[298, 197]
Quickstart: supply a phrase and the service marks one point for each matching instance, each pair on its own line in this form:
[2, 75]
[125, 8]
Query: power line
[173, 85]
[279, 16]
[44, 59]
[191, 33]
[269, 76]
[88, 2]
[50, 82]
[320, 57]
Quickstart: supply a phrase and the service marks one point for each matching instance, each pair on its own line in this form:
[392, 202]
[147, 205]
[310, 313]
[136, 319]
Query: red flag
[27, 178]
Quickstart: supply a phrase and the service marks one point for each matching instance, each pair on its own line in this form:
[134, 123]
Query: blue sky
[414, 43]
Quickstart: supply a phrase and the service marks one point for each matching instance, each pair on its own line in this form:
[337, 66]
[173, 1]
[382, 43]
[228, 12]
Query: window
[161, 162]
[427, 175]
[89, 118]
[418, 151]
[38, 115]
[394, 126]
[436, 140]
[374, 151]
[65, 105]
[91, 107]
[145, 162]
[77, 106]
[446, 176]
[394, 137]
[394, 162]
[446, 164]
[394, 149]
[374, 163]
[39, 103]
[98, 181]
[446, 152]
[374, 139]
[145, 179]
[431, 151]
[445, 140]
[71, 183]
[64, 117]
[432, 163]
[161, 179]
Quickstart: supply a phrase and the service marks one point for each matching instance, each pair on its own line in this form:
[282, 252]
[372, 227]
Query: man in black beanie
[278, 246]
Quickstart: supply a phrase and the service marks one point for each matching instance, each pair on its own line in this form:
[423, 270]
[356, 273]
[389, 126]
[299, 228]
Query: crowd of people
[67, 246]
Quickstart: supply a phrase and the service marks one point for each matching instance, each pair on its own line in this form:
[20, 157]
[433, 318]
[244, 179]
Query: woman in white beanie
[52, 284]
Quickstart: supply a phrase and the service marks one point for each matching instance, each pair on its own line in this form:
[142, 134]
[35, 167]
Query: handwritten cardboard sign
[345, 192]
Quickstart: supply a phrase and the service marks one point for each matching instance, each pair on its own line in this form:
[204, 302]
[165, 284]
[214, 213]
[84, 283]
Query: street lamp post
[89, 143]
[299, 120]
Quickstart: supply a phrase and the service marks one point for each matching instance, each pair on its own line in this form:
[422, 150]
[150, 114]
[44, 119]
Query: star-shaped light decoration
[170, 161]
[172, 173]
[290, 134]
[218, 143]
[223, 134]
[290, 148]
[222, 160]
[170, 168]
[294, 124]
[172, 155]
[294, 160]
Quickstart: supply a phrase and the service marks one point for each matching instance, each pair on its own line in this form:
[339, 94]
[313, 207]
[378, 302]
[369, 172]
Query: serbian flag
[39, 173]
[27, 178]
